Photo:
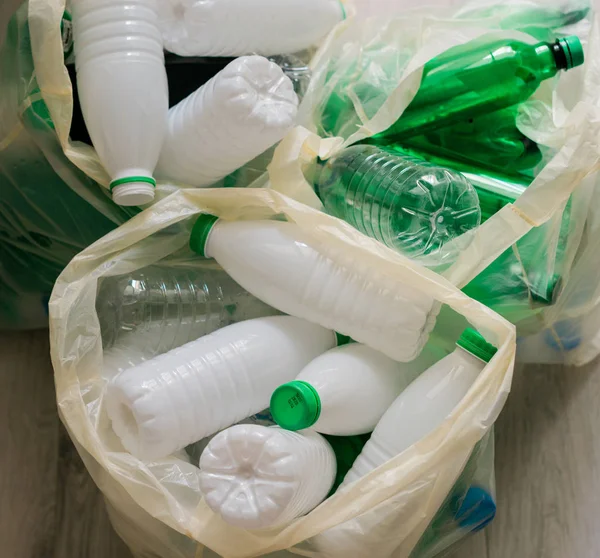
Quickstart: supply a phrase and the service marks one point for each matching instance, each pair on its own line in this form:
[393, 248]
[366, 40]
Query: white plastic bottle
[241, 112]
[417, 411]
[343, 392]
[425, 404]
[191, 392]
[238, 27]
[122, 87]
[257, 477]
[282, 265]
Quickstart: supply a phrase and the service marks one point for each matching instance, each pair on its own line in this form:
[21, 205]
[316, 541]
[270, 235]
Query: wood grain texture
[547, 468]
[29, 446]
[49, 505]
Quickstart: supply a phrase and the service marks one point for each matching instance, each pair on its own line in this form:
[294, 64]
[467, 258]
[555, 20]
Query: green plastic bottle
[479, 78]
[491, 141]
[494, 190]
[404, 202]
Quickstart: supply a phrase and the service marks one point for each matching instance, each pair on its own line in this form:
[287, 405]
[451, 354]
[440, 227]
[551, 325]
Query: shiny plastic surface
[236, 27]
[160, 308]
[407, 203]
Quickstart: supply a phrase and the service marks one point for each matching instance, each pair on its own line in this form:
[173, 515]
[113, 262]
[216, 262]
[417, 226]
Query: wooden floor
[547, 466]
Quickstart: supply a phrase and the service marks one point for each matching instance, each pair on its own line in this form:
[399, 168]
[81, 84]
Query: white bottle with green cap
[417, 411]
[284, 266]
[257, 477]
[425, 403]
[343, 392]
[122, 85]
[180, 397]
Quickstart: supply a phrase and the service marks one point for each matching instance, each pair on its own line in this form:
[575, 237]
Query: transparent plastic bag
[376, 65]
[49, 210]
[167, 489]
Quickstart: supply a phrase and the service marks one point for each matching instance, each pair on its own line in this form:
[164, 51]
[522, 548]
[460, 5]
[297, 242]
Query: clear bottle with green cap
[343, 392]
[416, 412]
[478, 78]
[407, 203]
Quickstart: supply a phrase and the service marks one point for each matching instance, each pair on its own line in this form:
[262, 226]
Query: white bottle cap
[136, 190]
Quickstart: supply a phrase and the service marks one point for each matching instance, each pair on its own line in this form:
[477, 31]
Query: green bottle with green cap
[491, 141]
[343, 392]
[479, 78]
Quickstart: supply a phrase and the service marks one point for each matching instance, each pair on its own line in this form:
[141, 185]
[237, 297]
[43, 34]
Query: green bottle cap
[573, 50]
[341, 339]
[200, 232]
[473, 342]
[295, 405]
[552, 290]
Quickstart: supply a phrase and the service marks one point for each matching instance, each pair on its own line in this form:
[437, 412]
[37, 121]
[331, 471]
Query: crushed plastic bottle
[239, 27]
[406, 203]
[241, 112]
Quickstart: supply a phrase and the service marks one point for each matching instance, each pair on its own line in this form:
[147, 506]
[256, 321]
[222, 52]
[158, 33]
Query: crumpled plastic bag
[49, 210]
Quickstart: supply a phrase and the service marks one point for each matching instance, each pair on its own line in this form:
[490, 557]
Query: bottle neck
[549, 59]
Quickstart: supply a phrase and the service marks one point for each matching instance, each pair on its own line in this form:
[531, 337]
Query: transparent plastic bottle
[404, 202]
[257, 477]
[283, 265]
[173, 400]
[158, 308]
[122, 86]
[479, 78]
[242, 111]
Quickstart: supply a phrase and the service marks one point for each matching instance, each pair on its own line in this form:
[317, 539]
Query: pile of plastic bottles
[283, 375]
[278, 411]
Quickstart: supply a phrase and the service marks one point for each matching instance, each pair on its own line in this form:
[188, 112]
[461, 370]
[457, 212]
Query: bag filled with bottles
[482, 91]
[181, 338]
[49, 210]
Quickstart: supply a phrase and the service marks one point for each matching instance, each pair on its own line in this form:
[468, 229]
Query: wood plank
[29, 442]
[83, 528]
[547, 466]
